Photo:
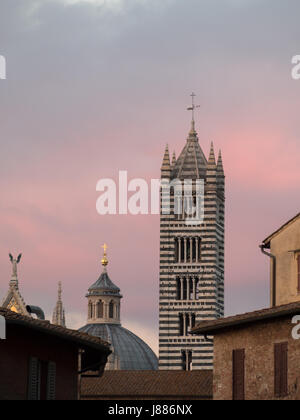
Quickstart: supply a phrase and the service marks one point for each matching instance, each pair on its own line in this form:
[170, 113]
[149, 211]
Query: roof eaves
[213, 327]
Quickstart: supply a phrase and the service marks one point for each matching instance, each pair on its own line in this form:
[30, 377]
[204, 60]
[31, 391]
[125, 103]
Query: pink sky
[94, 90]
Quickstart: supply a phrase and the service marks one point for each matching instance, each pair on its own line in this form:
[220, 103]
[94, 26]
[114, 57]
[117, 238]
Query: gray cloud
[93, 88]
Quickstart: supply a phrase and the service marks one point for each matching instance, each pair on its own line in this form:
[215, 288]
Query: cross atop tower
[193, 107]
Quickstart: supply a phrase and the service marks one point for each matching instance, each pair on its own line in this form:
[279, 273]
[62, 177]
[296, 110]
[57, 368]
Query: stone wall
[258, 340]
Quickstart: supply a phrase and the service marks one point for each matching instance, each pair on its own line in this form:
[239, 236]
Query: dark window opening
[41, 380]
[100, 309]
[111, 310]
[238, 382]
[281, 369]
[181, 326]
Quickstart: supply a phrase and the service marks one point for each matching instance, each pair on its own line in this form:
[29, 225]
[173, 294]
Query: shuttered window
[41, 380]
[51, 382]
[281, 369]
[298, 272]
[34, 379]
[238, 375]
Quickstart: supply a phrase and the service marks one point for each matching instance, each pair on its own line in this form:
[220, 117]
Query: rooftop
[79, 338]
[104, 285]
[213, 327]
[177, 384]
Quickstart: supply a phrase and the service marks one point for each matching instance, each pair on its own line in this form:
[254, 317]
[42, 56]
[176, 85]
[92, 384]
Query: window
[51, 381]
[100, 310]
[111, 310]
[41, 380]
[178, 283]
[181, 325]
[238, 375]
[90, 310]
[298, 272]
[193, 320]
[281, 369]
[187, 360]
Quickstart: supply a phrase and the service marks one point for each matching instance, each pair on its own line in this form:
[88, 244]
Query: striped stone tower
[191, 261]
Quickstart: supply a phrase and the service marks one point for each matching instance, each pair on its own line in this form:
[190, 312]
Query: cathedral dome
[129, 352]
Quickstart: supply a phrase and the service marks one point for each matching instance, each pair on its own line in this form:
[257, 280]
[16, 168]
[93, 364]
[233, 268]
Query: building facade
[191, 257]
[284, 251]
[256, 355]
[41, 361]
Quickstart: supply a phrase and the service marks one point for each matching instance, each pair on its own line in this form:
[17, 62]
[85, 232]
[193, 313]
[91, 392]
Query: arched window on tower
[111, 309]
[178, 283]
[176, 256]
[90, 310]
[100, 309]
[184, 293]
[187, 360]
[193, 320]
[199, 249]
[188, 250]
[181, 325]
[183, 358]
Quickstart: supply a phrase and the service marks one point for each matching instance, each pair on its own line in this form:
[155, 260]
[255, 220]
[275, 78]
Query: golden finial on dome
[104, 260]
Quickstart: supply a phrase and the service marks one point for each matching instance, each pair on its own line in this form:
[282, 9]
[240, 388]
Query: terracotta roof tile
[195, 384]
[45, 326]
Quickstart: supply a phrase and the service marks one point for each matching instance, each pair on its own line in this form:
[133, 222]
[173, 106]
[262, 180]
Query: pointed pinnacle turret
[59, 312]
[59, 291]
[166, 165]
[220, 168]
[174, 160]
[212, 159]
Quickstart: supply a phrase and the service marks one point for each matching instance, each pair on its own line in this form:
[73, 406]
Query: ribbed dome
[129, 351]
[103, 286]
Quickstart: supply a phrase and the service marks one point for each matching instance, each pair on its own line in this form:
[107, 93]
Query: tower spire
[193, 108]
[59, 312]
[212, 159]
[166, 165]
[104, 260]
[173, 160]
[220, 164]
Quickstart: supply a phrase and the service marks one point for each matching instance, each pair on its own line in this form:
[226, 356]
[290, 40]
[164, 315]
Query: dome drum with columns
[129, 352]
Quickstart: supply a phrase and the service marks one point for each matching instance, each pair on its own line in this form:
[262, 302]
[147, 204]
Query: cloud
[95, 88]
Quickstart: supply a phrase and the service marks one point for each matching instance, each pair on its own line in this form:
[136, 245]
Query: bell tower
[104, 298]
[191, 255]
